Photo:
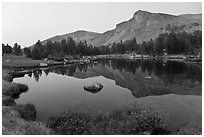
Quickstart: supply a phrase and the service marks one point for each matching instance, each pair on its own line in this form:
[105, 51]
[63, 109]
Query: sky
[26, 23]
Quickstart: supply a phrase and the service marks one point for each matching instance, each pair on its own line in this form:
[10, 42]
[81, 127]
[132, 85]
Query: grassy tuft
[193, 128]
[36, 128]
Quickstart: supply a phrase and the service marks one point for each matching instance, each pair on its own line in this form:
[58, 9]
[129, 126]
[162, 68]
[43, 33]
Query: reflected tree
[30, 73]
[46, 71]
[37, 74]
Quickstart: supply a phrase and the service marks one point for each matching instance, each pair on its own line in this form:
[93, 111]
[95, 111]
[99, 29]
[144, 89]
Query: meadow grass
[128, 120]
[194, 128]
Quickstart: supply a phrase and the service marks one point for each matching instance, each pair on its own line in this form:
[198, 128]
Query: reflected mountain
[169, 77]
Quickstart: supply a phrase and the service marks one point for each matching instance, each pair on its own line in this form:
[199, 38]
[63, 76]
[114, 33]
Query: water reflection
[93, 91]
[166, 77]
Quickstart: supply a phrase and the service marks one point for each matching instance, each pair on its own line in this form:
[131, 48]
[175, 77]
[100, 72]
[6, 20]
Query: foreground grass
[194, 128]
[14, 124]
[133, 119]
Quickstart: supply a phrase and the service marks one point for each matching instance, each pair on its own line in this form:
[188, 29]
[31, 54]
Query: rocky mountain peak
[141, 16]
[140, 12]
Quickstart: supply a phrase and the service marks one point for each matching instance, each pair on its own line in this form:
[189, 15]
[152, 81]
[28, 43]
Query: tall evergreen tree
[37, 52]
[17, 50]
[27, 52]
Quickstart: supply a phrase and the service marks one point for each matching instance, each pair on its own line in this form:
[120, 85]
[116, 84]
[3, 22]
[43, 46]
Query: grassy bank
[18, 119]
[11, 61]
[131, 119]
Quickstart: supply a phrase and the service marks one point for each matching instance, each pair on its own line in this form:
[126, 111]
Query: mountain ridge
[143, 26]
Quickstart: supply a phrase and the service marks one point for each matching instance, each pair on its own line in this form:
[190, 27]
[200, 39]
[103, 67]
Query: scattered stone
[43, 65]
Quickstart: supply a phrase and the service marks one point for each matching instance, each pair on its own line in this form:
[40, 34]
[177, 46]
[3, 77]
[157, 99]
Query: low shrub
[7, 77]
[22, 87]
[15, 90]
[27, 111]
[7, 101]
[18, 126]
[71, 123]
[128, 120]
[36, 128]
[17, 74]
[12, 89]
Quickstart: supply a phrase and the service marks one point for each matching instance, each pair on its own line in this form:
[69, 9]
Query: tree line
[16, 50]
[173, 43]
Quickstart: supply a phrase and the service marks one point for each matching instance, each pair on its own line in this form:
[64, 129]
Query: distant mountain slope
[102, 38]
[143, 26]
[78, 36]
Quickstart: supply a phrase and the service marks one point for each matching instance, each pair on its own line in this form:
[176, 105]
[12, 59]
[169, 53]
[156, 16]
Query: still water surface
[173, 87]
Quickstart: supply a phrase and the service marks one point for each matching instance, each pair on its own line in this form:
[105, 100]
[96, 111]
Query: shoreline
[37, 63]
[148, 57]
[17, 118]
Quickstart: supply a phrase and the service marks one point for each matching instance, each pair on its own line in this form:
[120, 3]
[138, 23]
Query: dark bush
[27, 111]
[7, 101]
[22, 87]
[8, 78]
[15, 90]
[17, 74]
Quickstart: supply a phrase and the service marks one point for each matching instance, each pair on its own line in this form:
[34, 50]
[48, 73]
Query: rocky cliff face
[143, 26]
